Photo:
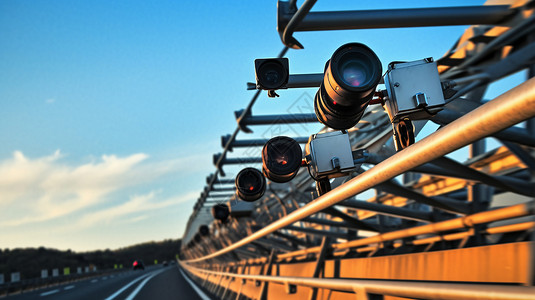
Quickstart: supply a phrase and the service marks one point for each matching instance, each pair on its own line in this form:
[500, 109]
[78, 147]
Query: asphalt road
[153, 283]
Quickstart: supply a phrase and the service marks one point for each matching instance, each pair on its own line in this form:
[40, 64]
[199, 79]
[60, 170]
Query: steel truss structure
[450, 230]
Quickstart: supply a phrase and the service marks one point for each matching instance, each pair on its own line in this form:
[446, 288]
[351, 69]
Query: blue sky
[110, 111]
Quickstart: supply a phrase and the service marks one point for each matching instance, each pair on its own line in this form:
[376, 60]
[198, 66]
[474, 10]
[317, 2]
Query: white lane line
[126, 286]
[140, 286]
[194, 286]
[94, 280]
[105, 278]
[70, 287]
[48, 293]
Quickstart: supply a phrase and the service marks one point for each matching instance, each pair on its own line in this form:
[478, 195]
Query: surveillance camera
[329, 155]
[197, 238]
[250, 184]
[204, 230]
[281, 159]
[220, 212]
[414, 90]
[349, 82]
[271, 74]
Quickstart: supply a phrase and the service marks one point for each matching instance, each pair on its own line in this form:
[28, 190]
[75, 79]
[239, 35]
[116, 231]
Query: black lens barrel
[250, 184]
[204, 230]
[349, 82]
[220, 212]
[281, 159]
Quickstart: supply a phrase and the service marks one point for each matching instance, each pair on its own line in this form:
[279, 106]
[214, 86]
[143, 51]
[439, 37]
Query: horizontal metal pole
[211, 181]
[255, 142]
[226, 189]
[508, 109]
[236, 161]
[461, 235]
[298, 81]
[224, 181]
[394, 18]
[279, 119]
[398, 288]
[242, 160]
[394, 211]
[305, 80]
[219, 196]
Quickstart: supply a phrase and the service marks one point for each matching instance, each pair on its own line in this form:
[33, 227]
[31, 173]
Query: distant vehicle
[138, 265]
[165, 263]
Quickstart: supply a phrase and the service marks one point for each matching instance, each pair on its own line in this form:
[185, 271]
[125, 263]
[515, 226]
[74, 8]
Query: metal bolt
[335, 161]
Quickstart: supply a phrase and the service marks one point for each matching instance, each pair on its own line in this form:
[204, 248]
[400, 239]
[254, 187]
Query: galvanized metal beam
[235, 161]
[441, 202]
[298, 81]
[394, 18]
[358, 224]
[277, 119]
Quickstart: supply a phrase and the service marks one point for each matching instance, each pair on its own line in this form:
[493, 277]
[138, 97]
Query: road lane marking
[94, 280]
[194, 286]
[48, 293]
[69, 287]
[140, 286]
[126, 286]
[105, 278]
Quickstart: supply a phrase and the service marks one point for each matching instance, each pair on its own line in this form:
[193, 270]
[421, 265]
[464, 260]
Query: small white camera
[414, 90]
[329, 155]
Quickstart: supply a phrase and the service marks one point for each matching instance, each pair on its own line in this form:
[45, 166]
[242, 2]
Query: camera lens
[250, 184]
[220, 212]
[349, 82]
[281, 158]
[204, 230]
[272, 74]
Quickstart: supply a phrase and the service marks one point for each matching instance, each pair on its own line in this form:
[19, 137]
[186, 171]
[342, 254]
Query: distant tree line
[30, 261]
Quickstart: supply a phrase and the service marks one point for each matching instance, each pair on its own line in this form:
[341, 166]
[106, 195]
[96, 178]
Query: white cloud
[42, 189]
[50, 101]
[135, 205]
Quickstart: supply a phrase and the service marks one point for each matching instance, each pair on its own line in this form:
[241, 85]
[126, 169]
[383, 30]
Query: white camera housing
[240, 208]
[414, 90]
[329, 155]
